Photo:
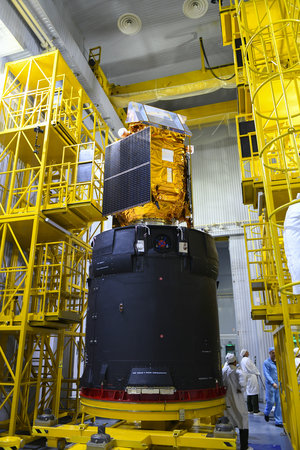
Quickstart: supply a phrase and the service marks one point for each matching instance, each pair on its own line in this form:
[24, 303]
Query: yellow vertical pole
[21, 124]
[79, 115]
[7, 180]
[13, 175]
[71, 367]
[3, 240]
[39, 378]
[2, 248]
[26, 382]
[11, 277]
[59, 364]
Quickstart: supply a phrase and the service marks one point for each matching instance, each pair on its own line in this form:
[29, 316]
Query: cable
[208, 65]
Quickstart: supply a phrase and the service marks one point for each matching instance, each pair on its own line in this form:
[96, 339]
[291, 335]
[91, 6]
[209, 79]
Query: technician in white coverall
[291, 238]
[297, 362]
[234, 380]
[252, 389]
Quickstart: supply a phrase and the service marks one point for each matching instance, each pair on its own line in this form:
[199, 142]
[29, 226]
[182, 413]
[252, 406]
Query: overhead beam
[207, 114]
[174, 87]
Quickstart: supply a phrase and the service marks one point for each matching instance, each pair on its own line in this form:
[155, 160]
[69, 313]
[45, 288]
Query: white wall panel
[217, 192]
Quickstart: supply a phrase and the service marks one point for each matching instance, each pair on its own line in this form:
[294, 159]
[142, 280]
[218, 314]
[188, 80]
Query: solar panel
[127, 173]
[137, 112]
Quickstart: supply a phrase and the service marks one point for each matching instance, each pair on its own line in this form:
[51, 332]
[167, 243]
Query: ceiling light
[129, 23]
[194, 9]
[8, 43]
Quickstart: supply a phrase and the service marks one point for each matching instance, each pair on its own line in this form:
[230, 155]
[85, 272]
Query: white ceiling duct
[194, 9]
[129, 23]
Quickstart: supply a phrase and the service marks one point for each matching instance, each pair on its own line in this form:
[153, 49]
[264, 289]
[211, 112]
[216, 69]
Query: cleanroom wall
[217, 193]
[218, 208]
[227, 321]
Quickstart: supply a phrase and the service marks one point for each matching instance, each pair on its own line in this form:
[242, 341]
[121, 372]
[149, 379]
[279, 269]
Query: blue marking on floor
[265, 446]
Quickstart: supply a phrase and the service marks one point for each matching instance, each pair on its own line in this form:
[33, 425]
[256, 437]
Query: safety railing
[263, 278]
[28, 92]
[32, 108]
[287, 342]
[58, 286]
[20, 110]
[61, 274]
[76, 180]
[269, 32]
[280, 159]
[12, 287]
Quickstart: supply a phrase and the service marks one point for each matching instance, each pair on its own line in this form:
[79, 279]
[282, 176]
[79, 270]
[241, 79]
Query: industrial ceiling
[166, 45]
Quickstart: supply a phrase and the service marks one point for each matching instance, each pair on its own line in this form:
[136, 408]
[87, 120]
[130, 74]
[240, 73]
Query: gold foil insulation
[168, 180]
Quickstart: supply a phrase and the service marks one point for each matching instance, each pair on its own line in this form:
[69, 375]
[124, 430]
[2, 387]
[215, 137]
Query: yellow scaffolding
[52, 143]
[129, 435]
[269, 38]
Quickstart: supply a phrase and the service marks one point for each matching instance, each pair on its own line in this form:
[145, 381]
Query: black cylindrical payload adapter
[152, 330]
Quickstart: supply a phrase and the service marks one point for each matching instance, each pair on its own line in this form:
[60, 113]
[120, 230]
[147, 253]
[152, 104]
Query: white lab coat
[234, 380]
[252, 373]
[291, 238]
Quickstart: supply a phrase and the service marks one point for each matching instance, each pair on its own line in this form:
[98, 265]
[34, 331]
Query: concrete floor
[265, 436]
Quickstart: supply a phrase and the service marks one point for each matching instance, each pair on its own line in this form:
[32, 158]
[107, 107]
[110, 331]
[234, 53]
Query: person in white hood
[297, 362]
[291, 238]
[236, 411]
[252, 389]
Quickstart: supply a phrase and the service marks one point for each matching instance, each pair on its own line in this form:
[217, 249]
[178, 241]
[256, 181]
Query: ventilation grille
[194, 9]
[129, 23]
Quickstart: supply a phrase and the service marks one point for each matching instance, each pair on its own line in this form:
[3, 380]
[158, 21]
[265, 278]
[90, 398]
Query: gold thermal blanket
[168, 180]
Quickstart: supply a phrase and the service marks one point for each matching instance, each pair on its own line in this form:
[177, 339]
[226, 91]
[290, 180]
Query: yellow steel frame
[65, 187]
[52, 143]
[128, 435]
[266, 297]
[250, 166]
[153, 411]
[269, 32]
[175, 86]
[57, 290]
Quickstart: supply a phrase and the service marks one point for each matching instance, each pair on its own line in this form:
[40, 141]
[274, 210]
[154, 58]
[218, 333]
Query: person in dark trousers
[272, 391]
[234, 380]
[252, 388]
